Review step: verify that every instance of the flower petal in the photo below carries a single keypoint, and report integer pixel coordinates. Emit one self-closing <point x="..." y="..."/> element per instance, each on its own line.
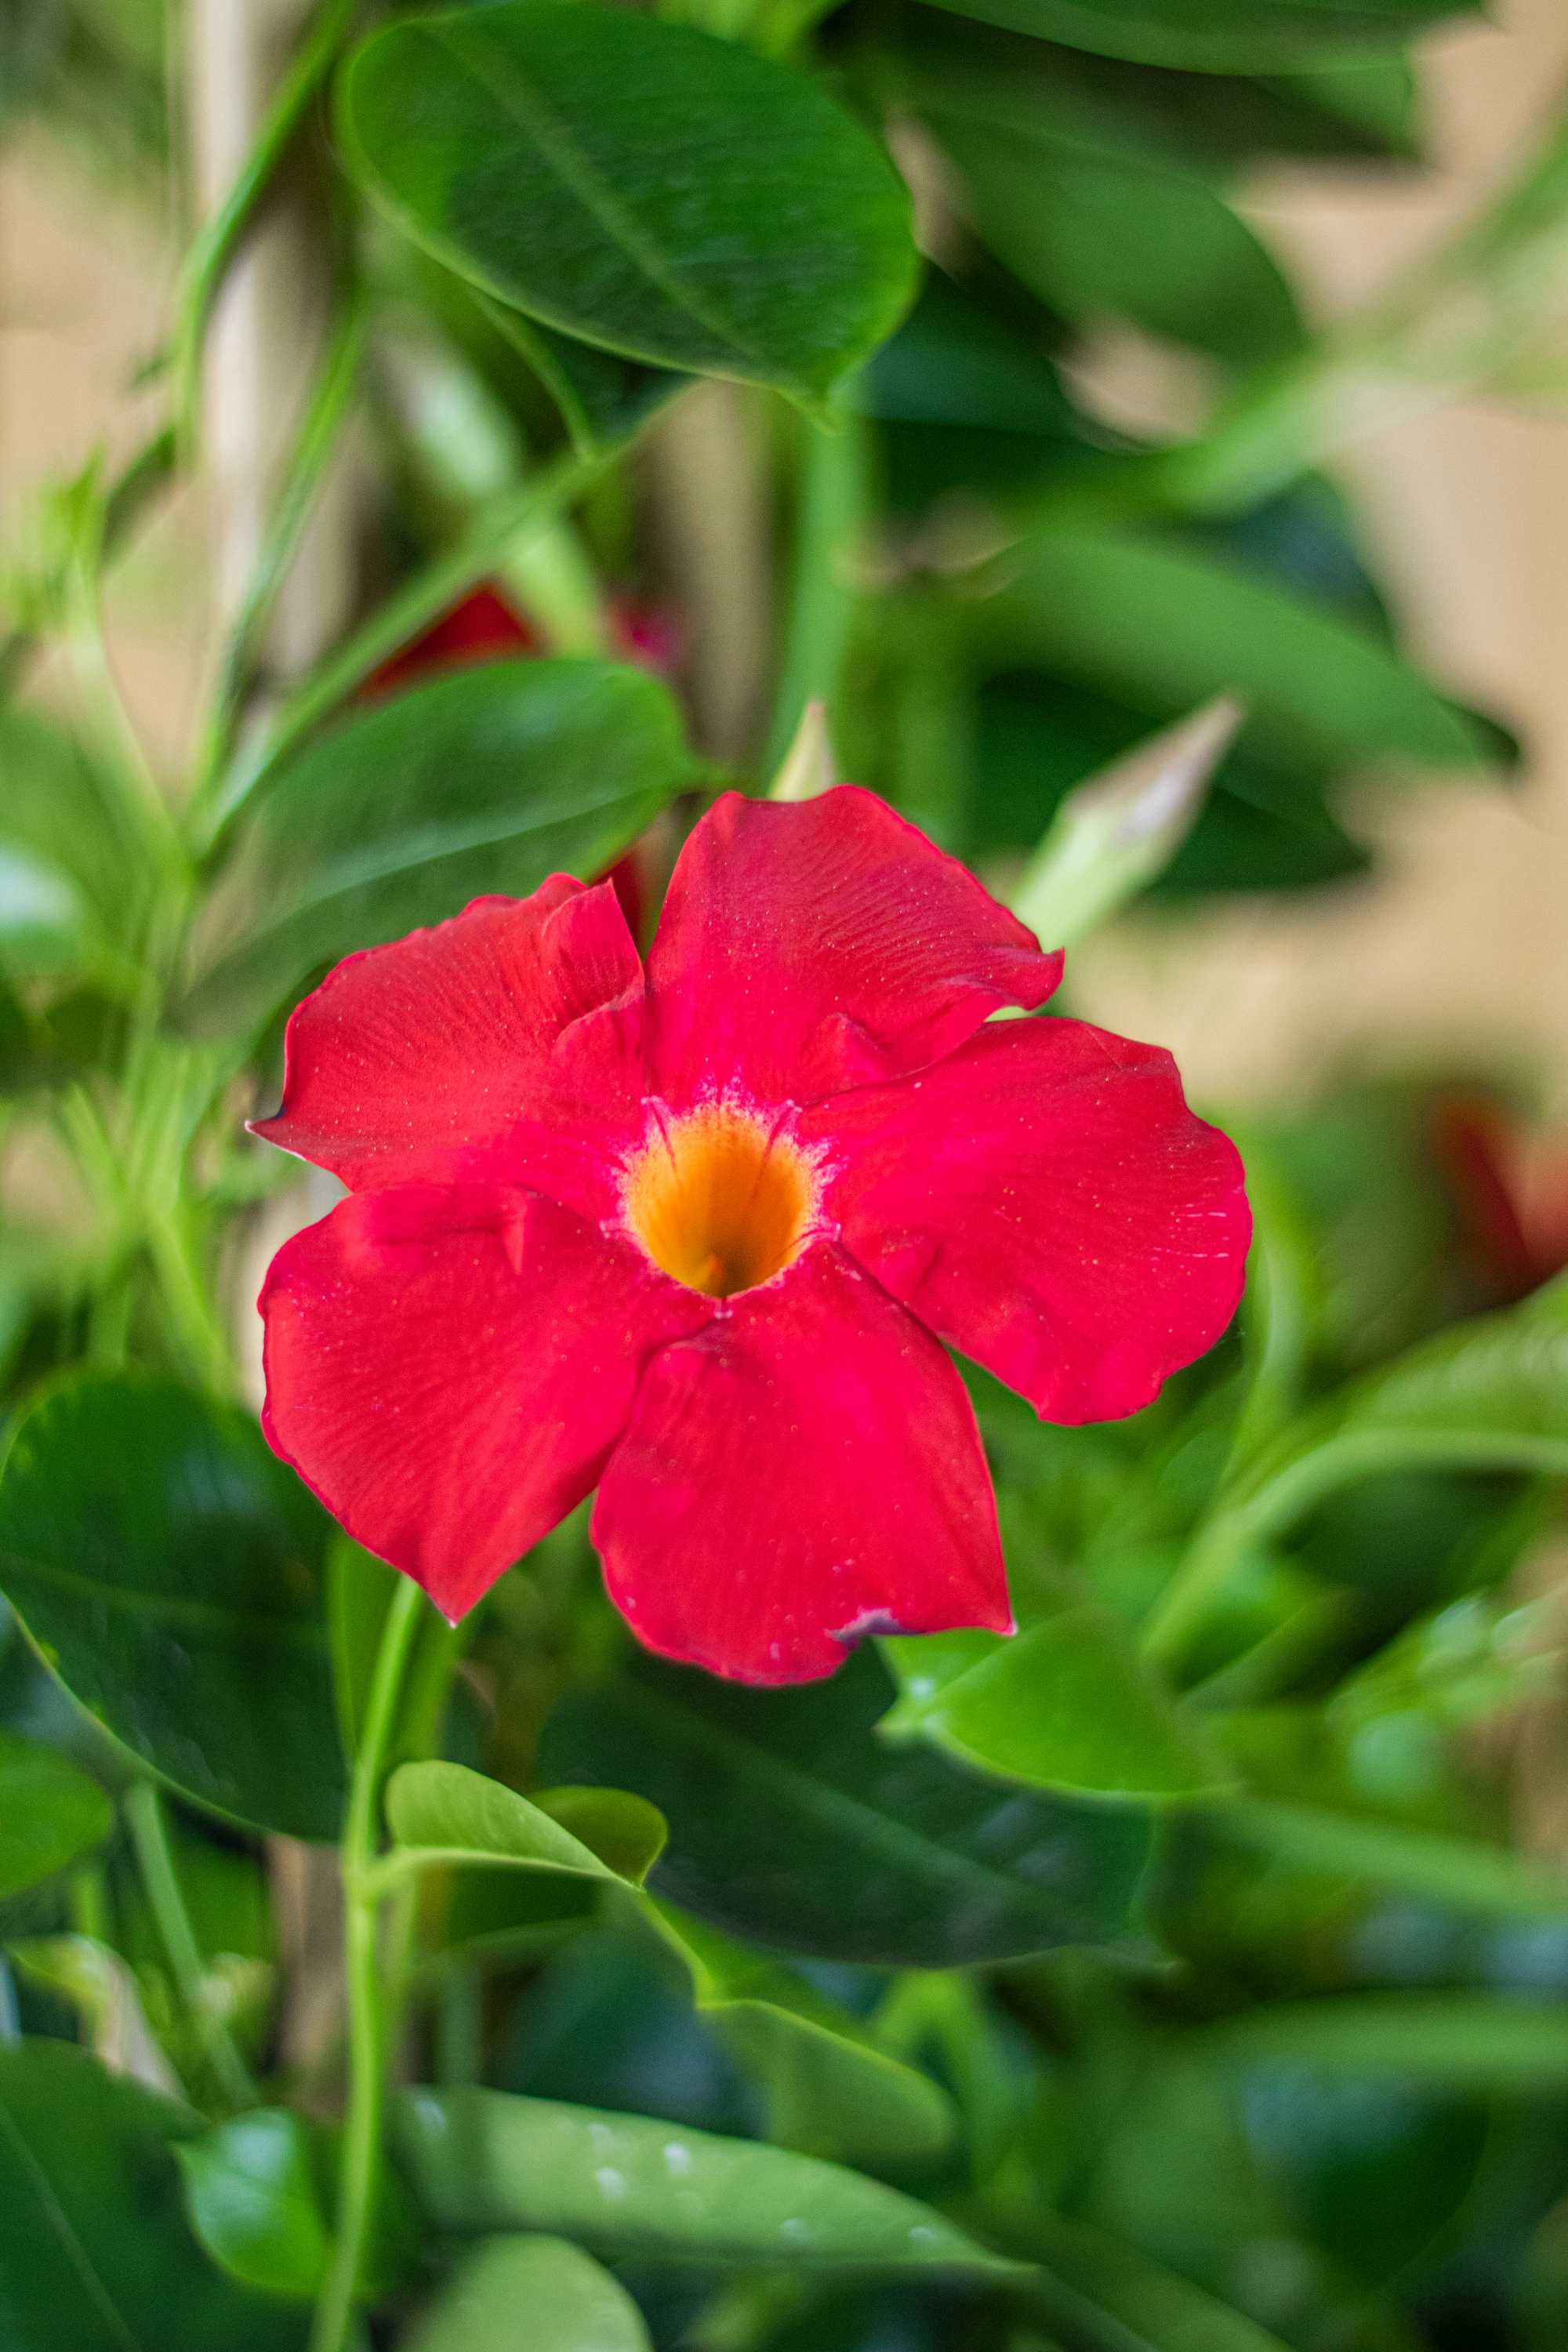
<point x="506" y="1043"/>
<point x="449" y="1366"/>
<point x="810" y="946"/>
<point x="1047" y="1202"/>
<point x="805" y="1470"/>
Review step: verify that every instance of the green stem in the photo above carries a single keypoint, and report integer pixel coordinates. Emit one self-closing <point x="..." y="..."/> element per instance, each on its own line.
<point x="210" y="256"/>
<point x="360" y="2180"/>
<point x="329" y="404"/>
<point x="1278" y="1499"/>
<point x="412" y="608"/>
<point x="829" y="525"/>
<point x="149" y="1829"/>
<point x="187" y="1302"/>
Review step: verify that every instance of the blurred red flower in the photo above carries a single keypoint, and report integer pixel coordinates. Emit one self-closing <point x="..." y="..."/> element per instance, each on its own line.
<point x="1509" y="1185"/>
<point x="692" y="1234"/>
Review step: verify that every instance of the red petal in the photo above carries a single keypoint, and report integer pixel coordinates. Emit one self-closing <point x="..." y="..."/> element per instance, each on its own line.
<point x="804" y="1471"/>
<point x="479" y="627"/>
<point x="447" y="1367"/>
<point x="1047" y="1202"/>
<point x="806" y="947"/>
<point x="506" y="1043"/>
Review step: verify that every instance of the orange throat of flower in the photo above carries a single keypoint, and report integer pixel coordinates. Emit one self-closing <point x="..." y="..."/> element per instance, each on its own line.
<point x="720" y="1199"/>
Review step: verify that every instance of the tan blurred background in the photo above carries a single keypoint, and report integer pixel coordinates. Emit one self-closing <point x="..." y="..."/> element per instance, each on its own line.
<point x="1460" y="949"/>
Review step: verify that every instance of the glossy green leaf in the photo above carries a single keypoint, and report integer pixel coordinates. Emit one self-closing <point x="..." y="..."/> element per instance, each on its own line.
<point x="830" y="2089"/>
<point x="254" y="2201"/>
<point x="602" y="398"/>
<point x="793" y="1822"/>
<point x="639" y="184"/>
<point x="530" y="2294"/>
<point x="1219" y="36"/>
<point x="1461" y="2041"/>
<point x="1096" y="227"/>
<point x="1064" y="1704"/>
<point x="168" y="1567"/>
<point x="51" y="1814"/>
<point x="482" y="782"/>
<point x="1165" y="625"/>
<point x="94" y="2254"/>
<point x="487" y="2160"/>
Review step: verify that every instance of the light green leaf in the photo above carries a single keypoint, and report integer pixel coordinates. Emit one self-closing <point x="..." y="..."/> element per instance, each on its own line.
<point x="253" y="2200"/>
<point x="1472" y="2042"/>
<point x="445" y="1814"/>
<point x="637" y="183"/>
<point x="831" y="2090"/>
<point x="1064" y="1704"/>
<point x="1457" y="1872"/>
<point x="1219" y="36"/>
<point x="483" y="2162"/>
<point x="52" y="1814"/>
<point x="531" y="2294"/>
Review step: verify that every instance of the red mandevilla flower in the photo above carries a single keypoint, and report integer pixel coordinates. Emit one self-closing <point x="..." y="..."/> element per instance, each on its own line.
<point x="692" y="1234"/>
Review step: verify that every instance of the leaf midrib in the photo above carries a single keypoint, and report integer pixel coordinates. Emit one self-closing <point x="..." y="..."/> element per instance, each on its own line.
<point x="75" y="2253"/>
<point x="533" y="115"/>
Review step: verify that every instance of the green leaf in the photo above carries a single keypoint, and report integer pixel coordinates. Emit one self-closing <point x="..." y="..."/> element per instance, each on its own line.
<point x="1151" y="2309"/>
<point x="1462" y="2041"/>
<point x="483" y="2162"/>
<point x="482" y="782"/>
<point x="1459" y="1873"/>
<point x="602" y="398"/>
<point x="639" y="184"/>
<point x="94" y="2252"/>
<point x="1498" y="1380"/>
<point x="791" y="1821"/>
<point x="831" y="2090"/>
<point x="51" y="1814"/>
<point x="1096" y="225"/>
<point x="530" y="2294"/>
<point x="168" y="1567"/>
<point x="1161" y="624"/>
<point x="626" y="1832"/>
<point x="45" y="927"/>
<point x="59" y="818"/>
<point x="253" y="2200"/>
<point x="1219" y="36"/>
<point x="1064" y="1704"/>
<point x="446" y="1814"/>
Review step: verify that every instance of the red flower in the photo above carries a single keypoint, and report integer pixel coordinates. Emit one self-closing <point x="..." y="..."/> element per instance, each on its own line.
<point x="692" y="1235"/>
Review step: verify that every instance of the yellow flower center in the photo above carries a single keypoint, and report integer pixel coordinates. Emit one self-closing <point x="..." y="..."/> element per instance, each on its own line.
<point x="720" y="1199"/>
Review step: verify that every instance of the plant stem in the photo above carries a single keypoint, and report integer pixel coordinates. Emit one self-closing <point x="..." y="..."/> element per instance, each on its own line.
<point x="412" y="606"/>
<point x="221" y="237"/>
<point x="360" y="2180"/>
<point x="149" y="1828"/>
<point x="829" y="524"/>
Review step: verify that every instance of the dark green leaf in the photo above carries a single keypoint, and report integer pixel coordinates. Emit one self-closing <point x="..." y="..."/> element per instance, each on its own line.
<point x="1219" y="36"/>
<point x="602" y="398"/>
<point x="483" y="781"/>
<point x="1064" y="1704"/>
<point x="1157" y="623"/>
<point x="95" y="2256"/>
<point x="531" y="2294"/>
<point x="51" y="1814"/>
<point x="168" y="1567"/>
<point x="483" y="2162"/>
<point x="1093" y="2277"/>
<point x="1459" y="1873"/>
<point x="1098" y="227"/>
<point x="791" y="1821"/>
<point x="639" y="184"/>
